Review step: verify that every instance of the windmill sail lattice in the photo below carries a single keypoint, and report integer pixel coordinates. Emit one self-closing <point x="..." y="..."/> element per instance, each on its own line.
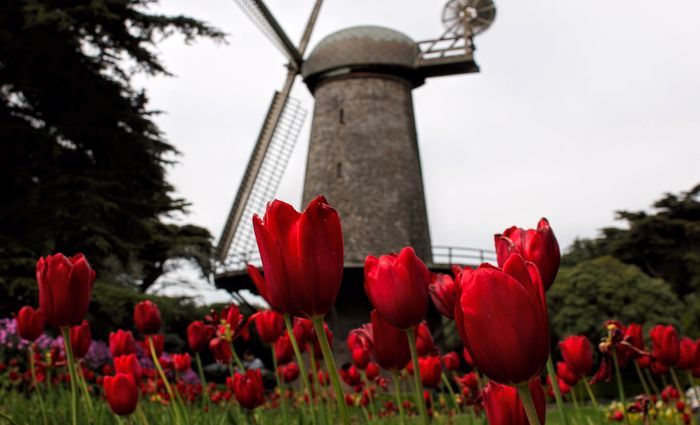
<point x="263" y="181"/>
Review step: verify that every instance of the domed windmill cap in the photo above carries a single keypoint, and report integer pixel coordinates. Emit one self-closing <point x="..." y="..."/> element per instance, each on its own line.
<point x="369" y="48"/>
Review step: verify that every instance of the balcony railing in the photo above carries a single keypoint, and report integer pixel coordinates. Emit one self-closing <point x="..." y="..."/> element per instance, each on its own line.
<point x="442" y="254"/>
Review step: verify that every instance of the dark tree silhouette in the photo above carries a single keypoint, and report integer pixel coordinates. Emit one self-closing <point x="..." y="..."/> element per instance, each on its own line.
<point x="82" y="162"/>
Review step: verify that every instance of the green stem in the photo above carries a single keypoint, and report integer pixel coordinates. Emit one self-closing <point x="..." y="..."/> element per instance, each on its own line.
<point x="314" y="382"/>
<point x="8" y="418"/>
<point x="236" y="359"/>
<point x="447" y="384"/>
<point x="590" y="393"/>
<point x="528" y="405"/>
<point x="420" y="401"/>
<point x="370" y="397"/>
<point x="397" y="394"/>
<point x="554" y="381"/>
<point x="692" y="385"/>
<point x="168" y="388"/>
<point x="141" y="415"/>
<point x="641" y="379"/>
<point x="574" y="400"/>
<point x="32" y="368"/>
<point x="620" y="386"/>
<point x="71" y="370"/>
<point x="650" y="380"/>
<point x="202" y="380"/>
<point x="302" y="368"/>
<point x="283" y="400"/>
<point x="677" y="383"/>
<point x="330" y="365"/>
<point x="86" y="393"/>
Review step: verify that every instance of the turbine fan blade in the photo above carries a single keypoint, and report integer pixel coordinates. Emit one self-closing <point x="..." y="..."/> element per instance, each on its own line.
<point x="263" y="19"/>
<point x="261" y="179"/>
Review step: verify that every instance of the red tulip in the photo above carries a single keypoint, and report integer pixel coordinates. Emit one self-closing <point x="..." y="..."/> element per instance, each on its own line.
<point x="270" y="325"/>
<point x="665" y="343"/>
<point x="503" y="405"/>
<point x="372" y="371"/>
<point x="80" y="339"/>
<point x="303" y="331"/>
<point x="360" y="337"/>
<point x="688" y="354"/>
<point x="397" y="286"/>
<point x="302" y="255"/>
<point x="442" y="292"/>
<point x="578" y="354"/>
<point x="634" y="336"/>
<point x="644" y="361"/>
<point x="289" y="372"/>
<point x="351" y="375"/>
<point x="468" y="381"/>
<point x="467" y="357"/>
<point x="430" y="371"/>
<point x="567" y="375"/>
<point x="221" y="350"/>
<point x="538" y="246"/>
<point x="121" y="343"/>
<point x="65" y="285"/>
<point x="147" y="317"/>
<point x="451" y="361"/>
<point x="360" y="356"/>
<point x="248" y="388"/>
<point x="658" y="368"/>
<point x="182" y="362"/>
<point x="284" y="351"/>
<point x="128" y="363"/>
<point x="199" y="335"/>
<point x="30" y="323"/>
<point x="424" y="340"/>
<point x="502" y="320"/>
<point x="390" y="344"/>
<point x="121" y="392"/>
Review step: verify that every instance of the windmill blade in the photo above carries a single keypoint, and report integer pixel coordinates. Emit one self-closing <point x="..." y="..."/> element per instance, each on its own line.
<point x="261" y="16"/>
<point x="279" y="134"/>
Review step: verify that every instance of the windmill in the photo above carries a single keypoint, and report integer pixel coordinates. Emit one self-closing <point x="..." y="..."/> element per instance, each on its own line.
<point x="363" y="151"/>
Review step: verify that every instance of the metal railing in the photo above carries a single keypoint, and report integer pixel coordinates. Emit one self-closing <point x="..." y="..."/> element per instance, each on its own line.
<point x="442" y="254"/>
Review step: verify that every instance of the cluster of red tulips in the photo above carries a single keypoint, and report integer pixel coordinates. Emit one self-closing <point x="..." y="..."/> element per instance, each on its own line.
<point x="500" y="313"/>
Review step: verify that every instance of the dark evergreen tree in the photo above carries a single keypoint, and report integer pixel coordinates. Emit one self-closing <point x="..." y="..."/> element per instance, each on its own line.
<point x="82" y="162"/>
<point x="664" y="243"/>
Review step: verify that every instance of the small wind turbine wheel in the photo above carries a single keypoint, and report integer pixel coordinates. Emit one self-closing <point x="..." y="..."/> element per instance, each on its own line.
<point x="462" y="16"/>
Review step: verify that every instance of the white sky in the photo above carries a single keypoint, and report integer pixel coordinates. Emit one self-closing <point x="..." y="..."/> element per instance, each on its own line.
<point x="580" y="109"/>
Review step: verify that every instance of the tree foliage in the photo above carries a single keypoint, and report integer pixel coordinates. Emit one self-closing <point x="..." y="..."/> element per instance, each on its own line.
<point x="664" y="243"/>
<point x="83" y="163"/>
<point x="586" y="295"/>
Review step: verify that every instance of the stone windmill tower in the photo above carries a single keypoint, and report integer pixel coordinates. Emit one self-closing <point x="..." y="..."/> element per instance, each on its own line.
<point x="363" y="153"/>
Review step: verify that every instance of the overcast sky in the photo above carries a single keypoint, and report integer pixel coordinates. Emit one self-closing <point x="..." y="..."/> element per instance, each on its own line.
<point x="580" y="109"/>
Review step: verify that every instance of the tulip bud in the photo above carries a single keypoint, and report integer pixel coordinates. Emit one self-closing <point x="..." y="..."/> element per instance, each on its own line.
<point x="451" y="361"/>
<point x="430" y="371"/>
<point x="65" y="285"/>
<point x="269" y="324"/>
<point x="503" y="405"/>
<point x="360" y="356"/>
<point x="182" y="362"/>
<point x="289" y="372"/>
<point x="221" y="350"/>
<point x="538" y="246"/>
<point x="688" y="354"/>
<point x="199" y="335"/>
<point x="80" y="339"/>
<point x="121" y="392"/>
<point x="248" y="388"/>
<point x="284" y="351"/>
<point x="30" y="323"/>
<point x="128" y="363"/>
<point x="390" y="344"/>
<point x="147" y="317"/>
<point x="397" y="287"/>
<point x="372" y="371"/>
<point x="424" y="340"/>
<point x="121" y="343"/>
<point x="665" y="344"/>
<point x="442" y="292"/>
<point x="502" y="319"/>
<point x="578" y="354"/>
<point x="302" y="256"/>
